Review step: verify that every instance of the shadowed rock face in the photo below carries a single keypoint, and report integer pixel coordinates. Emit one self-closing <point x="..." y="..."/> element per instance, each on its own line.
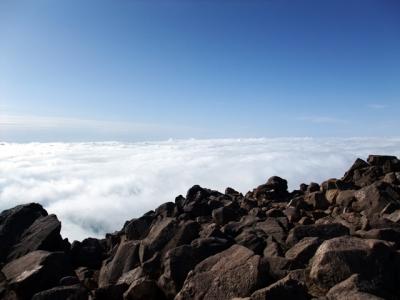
<point x="14" y="222"/>
<point x="339" y="239"/>
<point x="233" y="272"/>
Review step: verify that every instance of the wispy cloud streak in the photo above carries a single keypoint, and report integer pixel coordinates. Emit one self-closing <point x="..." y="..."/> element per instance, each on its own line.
<point x="323" y="120"/>
<point x="377" y="106"/>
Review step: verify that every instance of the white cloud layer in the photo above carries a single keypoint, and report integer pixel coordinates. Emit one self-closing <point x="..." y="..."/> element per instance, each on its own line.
<point x="94" y="187"/>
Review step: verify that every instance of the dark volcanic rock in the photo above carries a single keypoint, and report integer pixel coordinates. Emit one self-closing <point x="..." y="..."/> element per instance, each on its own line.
<point x="75" y="292"/>
<point x="14" y="222"/>
<point x="224" y="215"/>
<point x="317" y="200"/>
<point x="179" y="261"/>
<point x="284" y="289"/>
<point x="272" y="227"/>
<point x="36" y="271"/>
<point x="125" y="259"/>
<point x="42" y="234"/>
<point x="375" y="197"/>
<point x="323" y="231"/>
<point x="112" y="291"/>
<point x="254" y="239"/>
<point x="160" y="234"/>
<point x="196" y="203"/>
<point x="88" y="253"/>
<point x="277" y="184"/>
<point x="301" y="252"/>
<point x="138" y="229"/>
<point x="357" y="165"/>
<point x="177" y="264"/>
<point x="339" y="258"/>
<point x="236" y="272"/>
<point x="355" y="287"/>
<point x="144" y="289"/>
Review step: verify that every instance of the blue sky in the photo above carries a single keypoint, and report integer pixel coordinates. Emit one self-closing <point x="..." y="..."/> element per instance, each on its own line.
<point x="142" y="70"/>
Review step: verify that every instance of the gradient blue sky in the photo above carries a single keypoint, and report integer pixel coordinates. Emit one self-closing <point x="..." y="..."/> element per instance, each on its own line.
<point x="142" y="70"/>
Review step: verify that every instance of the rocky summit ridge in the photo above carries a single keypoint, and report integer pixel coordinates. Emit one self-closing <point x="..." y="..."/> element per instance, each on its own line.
<point x="336" y="240"/>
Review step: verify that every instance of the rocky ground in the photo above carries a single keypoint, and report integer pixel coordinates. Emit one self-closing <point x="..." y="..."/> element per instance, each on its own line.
<point x="336" y="240"/>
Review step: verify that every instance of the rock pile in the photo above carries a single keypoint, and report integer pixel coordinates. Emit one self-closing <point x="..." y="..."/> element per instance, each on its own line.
<point x="336" y="240"/>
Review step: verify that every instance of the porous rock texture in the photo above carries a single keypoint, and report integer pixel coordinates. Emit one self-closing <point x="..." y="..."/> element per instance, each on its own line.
<point x="339" y="239"/>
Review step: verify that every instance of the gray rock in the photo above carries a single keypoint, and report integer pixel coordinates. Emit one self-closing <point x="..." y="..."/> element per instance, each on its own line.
<point x="75" y="292"/>
<point x="236" y="272"/>
<point x="14" y="222"/>
<point x="125" y="259"/>
<point x="285" y="289"/>
<point x="303" y="251"/>
<point x="37" y="271"/>
<point x="339" y="258"/>
<point x="42" y="234"/>
<point x="323" y="231"/>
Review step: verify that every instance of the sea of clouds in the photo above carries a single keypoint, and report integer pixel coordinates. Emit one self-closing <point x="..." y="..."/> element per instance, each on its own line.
<point x="95" y="187"/>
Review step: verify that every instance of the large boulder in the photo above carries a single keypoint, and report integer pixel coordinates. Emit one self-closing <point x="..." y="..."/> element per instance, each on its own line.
<point x="160" y="234"/>
<point x="357" y="288"/>
<point x="317" y="200"/>
<point x="168" y="209"/>
<point x="272" y="227"/>
<point x="386" y="234"/>
<point x="285" y="289"/>
<point x="180" y="260"/>
<point x="303" y="251"/>
<point x="225" y="214"/>
<point x="388" y="163"/>
<point x="185" y="233"/>
<point x="112" y="291"/>
<point x="125" y="259"/>
<point x="42" y="234"/>
<point x="375" y="197"/>
<point x="236" y="272"/>
<point x="276" y="184"/>
<point x="14" y="222"/>
<point x="357" y="165"/>
<point x="37" y="271"/>
<point x="196" y="202"/>
<point x="75" y="292"/>
<point x="274" y="189"/>
<point x="88" y="253"/>
<point x="138" y="229"/>
<point x="322" y="231"/>
<point x="345" y="198"/>
<point x="339" y="258"/>
<point x="177" y="264"/>
<point x="254" y="239"/>
<point x="144" y="289"/>
<point x="168" y="234"/>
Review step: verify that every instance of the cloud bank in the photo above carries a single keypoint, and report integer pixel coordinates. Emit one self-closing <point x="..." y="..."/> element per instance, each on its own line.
<point x="94" y="187"/>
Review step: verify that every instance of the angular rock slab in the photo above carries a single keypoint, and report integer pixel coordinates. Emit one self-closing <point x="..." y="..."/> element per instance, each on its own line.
<point x="13" y="223"/>
<point x="323" y="231"/>
<point x="36" y="271"/>
<point x="235" y="272"/>
<point x="75" y="292"/>
<point x="125" y="259"/>
<point x="339" y="258"/>
<point x="43" y="234"/>
<point x="284" y="289"/>
<point x="353" y="288"/>
<point x="301" y="252"/>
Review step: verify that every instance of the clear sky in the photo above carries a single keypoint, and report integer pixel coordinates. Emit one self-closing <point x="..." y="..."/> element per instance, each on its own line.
<point x="142" y="70"/>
